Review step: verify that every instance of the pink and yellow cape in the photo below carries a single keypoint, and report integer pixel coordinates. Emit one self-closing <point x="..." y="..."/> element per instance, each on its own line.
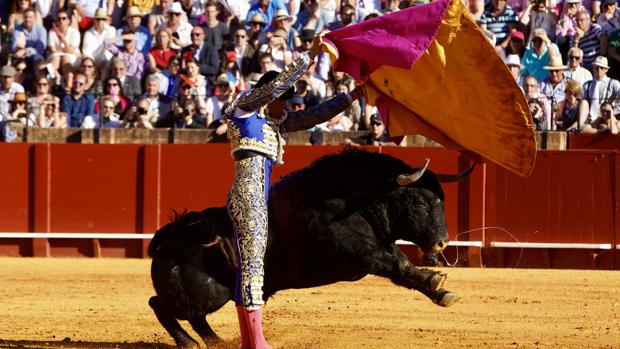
<point x="431" y="71"/>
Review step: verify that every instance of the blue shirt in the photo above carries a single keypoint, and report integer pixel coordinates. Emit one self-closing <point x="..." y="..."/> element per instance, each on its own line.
<point x="143" y="39"/>
<point x="36" y="39"/>
<point x="77" y="109"/>
<point x="274" y="5"/>
<point x="533" y="64"/>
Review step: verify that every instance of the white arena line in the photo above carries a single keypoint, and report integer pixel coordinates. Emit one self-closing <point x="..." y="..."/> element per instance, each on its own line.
<point x="124" y="236"/>
<point x="451" y="243"/>
<point x="550" y="245"/>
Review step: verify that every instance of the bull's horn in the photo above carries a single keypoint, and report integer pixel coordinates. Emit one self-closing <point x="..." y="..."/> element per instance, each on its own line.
<point x="405" y="179"/>
<point x="447" y="178"/>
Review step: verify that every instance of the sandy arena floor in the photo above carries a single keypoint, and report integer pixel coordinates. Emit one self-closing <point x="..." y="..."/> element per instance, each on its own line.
<point x="102" y="303"/>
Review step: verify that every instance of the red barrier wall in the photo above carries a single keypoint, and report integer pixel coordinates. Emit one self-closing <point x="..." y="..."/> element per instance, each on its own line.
<point x="572" y="196"/>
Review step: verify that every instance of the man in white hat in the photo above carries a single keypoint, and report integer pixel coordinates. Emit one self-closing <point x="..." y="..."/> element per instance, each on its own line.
<point x="597" y="91"/>
<point x="553" y="85"/>
<point x="181" y="31"/>
<point x="133" y="18"/>
<point x="94" y="38"/>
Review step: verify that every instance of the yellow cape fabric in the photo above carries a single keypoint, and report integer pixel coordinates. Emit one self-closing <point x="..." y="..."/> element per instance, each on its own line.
<point x="460" y="94"/>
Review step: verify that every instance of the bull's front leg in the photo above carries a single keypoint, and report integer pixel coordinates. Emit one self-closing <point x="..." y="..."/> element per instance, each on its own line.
<point x="395" y="266"/>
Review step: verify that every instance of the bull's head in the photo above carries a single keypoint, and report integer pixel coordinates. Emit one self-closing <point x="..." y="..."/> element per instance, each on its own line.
<point x="421" y="201"/>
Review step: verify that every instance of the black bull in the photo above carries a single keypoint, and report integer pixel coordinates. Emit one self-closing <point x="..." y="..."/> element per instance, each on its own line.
<point x="336" y="220"/>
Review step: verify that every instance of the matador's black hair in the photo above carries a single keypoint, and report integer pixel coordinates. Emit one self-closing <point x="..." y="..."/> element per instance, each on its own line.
<point x="270" y="76"/>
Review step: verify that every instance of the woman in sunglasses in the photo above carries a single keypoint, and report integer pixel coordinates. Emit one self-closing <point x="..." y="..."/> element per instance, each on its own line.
<point x="114" y="91"/>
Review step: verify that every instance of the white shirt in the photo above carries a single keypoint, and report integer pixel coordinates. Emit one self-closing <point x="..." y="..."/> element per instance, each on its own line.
<point x="185" y="34"/>
<point x="92" y="45"/>
<point x="91" y="121"/>
<point x="72" y="35"/>
<point x="214" y="107"/>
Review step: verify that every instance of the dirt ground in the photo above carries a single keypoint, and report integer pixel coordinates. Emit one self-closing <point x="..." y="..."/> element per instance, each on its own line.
<point x="102" y="303"/>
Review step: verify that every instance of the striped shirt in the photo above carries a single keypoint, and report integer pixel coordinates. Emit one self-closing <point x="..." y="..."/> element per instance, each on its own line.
<point x="500" y="25"/>
<point x="589" y="44"/>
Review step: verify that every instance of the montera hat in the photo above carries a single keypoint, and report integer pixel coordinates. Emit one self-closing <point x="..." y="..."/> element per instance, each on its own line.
<point x="555" y="63"/>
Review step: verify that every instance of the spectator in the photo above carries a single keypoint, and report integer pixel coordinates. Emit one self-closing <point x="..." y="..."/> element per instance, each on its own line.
<point x="610" y="41"/>
<point x="514" y="65"/>
<point x="143" y="38"/>
<point x="17" y="15"/>
<point x="198" y="81"/>
<point x="159" y="16"/>
<point x="597" y="91"/>
<point x="79" y="103"/>
<point x="137" y="117"/>
<point x="195" y="11"/>
<point x="233" y="74"/>
<point x="347" y="16"/>
<point x="567" y="23"/>
<point x="45" y="9"/>
<point x="181" y="31"/>
<point x="244" y="52"/>
<point x="330" y="7"/>
<point x="575" y="71"/>
<point x="278" y="49"/>
<point x="158" y="104"/>
<point x="49" y="116"/>
<point x="568" y="110"/>
<point x="536" y="57"/>
<point x="500" y="20"/>
<point x="186" y="116"/>
<point x="64" y="47"/>
<point x="215" y="31"/>
<point x="315" y="82"/>
<point x="310" y="17"/>
<point x="19" y="110"/>
<point x="296" y="103"/>
<point x="539" y="105"/>
<point x="283" y="20"/>
<point x="538" y="15"/>
<point x="96" y="36"/>
<point x="215" y="104"/>
<point x="553" y="86"/>
<point x="113" y="91"/>
<point x="265" y="60"/>
<point x="160" y="55"/>
<point x="134" y="59"/>
<point x="94" y="84"/>
<point x="377" y="136"/>
<point x="266" y="8"/>
<point x="606" y="122"/>
<point x="257" y="25"/>
<point x="514" y="46"/>
<point x="84" y="11"/>
<point x="43" y="88"/>
<point x="609" y="12"/>
<point x="587" y="38"/>
<point x="169" y="79"/>
<point x="366" y="8"/>
<point x="110" y="118"/>
<point x="8" y="89"/>
<point x="305" y="91"/>
<point x="354" y="112"/>
<point x="204" y="55"/>
<point x="21" y="71"/>
<point x="29" y="39"/>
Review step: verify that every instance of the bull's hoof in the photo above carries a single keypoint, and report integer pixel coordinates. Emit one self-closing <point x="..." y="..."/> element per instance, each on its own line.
<point x="188" y="344"/>
<point x="437" y="281"/>
<point x="449" y="299"/>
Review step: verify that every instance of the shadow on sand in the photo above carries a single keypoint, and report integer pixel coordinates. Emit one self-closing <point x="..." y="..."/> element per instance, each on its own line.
<point x="69" y="344"/>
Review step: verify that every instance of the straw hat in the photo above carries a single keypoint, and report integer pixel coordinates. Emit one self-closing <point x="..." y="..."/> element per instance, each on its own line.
<point x="19" y="97"/>
<point x="601" y="61"/>
<point x="101" y="13"/>
<point x="555" y="63"/>
<point x="281" y="14"/>
<point x="280" y="32"/>
<point x="257" y="18"/>
<point x="133" y="11"/>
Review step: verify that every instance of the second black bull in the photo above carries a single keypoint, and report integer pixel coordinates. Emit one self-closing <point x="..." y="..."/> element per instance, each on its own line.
<point x="335" y="220"/>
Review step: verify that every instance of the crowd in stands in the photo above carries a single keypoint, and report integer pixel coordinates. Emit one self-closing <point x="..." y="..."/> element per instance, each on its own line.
<point x="164" y="63"/>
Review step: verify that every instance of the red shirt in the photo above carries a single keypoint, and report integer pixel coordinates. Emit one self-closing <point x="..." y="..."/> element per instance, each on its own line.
<point x="162" y="57"/>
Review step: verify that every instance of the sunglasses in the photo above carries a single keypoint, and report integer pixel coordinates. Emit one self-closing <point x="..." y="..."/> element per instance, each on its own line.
<point x="175" y="14"/>
<point x="576" y="58"/>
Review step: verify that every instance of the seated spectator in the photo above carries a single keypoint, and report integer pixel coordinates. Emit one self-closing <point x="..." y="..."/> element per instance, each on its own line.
<point x="537" y="57"/>
<point x="244" y="52"/>
<point x="265" y="61"/>
<point x="181" y="31"/>
<point x="257" y="27"/>
<point x="195" y="79"/>
<point x="500" y="20"/>
<point x="143" y="38"/>
<point x="514" y="46"/>
<point x="63" y="45"/>
<point x="597" y="91"/>
<point x="130" y="85"/>
<point x="278" y="49"/>
<point x="606" y="122"/>
<point x="159" y="16"/>
<point x="514" y="65"/>
<point x="135" y="60"/>
<point x="305" y="91"/>
<point x="94" y="85"/>
<point x="354" y="112"/>
<point x="79" y="103"/>
<point x="110" y="118"/>
<point x="315" y="83"/>
<point x="347" y="16"/>
<point x="296" y="103"/>
<point x="21" y="71"/>
<point x="84" y="12"/>
<point x="159" y="104"/>
<point x="587" y="38"/>
<point x="169" y="79"/>
<point x="575" y="71"/>
<point x="609" y="12"/>
<point x="568" y="110"/>
<point x="215" y="31"/>
<point x="49" y="115"/>
<point x="567" y="22"/>
<point x="204" y="55"/>
<point x="29" y="39"/>
<point x="159" y="56"/>
<point x="283" y="20"/>
<point x="233" y="74"/>
<point x="553" y="86"/>
<point x="8" y="89"/>
<point x="19" y="110"/>
<point x="539" y="105"/>
<point x="186" y="116"/>
<point x="113" y="90"/>
<point x="95" y="38"/>
<point x="137" y="117"/>
<point x="538" y="15"/>
<point x="214" y="104"/>
<point x="610" y="42"/>
<point x="17" y="16"/>
<point x="310" y="17"/>
<point x="267" y="9"/>
<point x="43" y="88"/>
<point x="377" y="136"/>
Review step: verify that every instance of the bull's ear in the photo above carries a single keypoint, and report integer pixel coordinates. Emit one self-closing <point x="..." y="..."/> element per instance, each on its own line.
<point x="406" y="179"/>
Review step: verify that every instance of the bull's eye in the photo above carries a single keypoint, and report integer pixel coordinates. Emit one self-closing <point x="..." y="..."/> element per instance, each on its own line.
<point x="420" y="204"/>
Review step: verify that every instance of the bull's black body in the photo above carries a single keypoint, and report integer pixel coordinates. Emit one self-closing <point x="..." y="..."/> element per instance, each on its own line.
<point x="336" y="220"/>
